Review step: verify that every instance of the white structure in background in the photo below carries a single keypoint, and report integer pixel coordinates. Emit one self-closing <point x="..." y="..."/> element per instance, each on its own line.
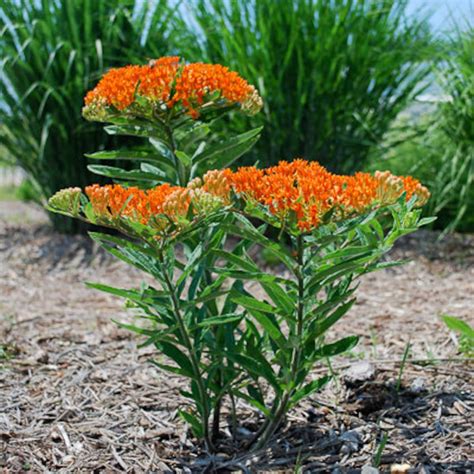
<point x="11" y="175"/>
<point x="434" y="98"/>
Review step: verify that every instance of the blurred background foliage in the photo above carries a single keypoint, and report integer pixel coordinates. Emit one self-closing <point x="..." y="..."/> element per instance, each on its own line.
<point x="333" y="75"/>
<point x="339" y="78"/>
<point x="437" y="146"/>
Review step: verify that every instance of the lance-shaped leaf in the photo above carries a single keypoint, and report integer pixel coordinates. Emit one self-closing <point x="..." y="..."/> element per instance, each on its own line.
<point x="336" y="348"/>
<point x="192" y="421"/>
<point x="132" y="175"/>
<point x="258" y="368"/>
<point x="145" y="131"/>
<point x="308" y="389"/>
<point x="271" y="327"/>
<point x="222" y="319"/>
<point x="331" y="273"/>
<point x="251" y="303"/>
<point x="322" y="325"/>
<point x="224" y="154"/>
<point x="178" y="356"/>
<point x="130" y="252"/>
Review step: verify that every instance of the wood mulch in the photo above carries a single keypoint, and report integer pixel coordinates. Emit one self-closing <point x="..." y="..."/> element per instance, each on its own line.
<point x="76" y="395"/>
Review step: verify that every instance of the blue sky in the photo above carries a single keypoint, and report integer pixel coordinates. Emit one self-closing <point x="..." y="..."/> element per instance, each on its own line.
<point x="444" y="10"/>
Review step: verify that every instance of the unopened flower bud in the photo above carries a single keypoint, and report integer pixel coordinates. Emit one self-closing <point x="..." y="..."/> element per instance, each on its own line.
<point x="67" y="200"/>
<point x="253" y="103"/>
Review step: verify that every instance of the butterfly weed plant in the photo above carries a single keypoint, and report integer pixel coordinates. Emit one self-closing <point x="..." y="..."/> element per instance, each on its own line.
<point x="193" y="224"/>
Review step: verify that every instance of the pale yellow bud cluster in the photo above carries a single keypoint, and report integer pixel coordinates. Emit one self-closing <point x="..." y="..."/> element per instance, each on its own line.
<point x="390" y="187"/>
<point x="96" y="111"/>
<point x="177" y="203"/>
<point x="216" y="183"/>
<point x="195" y="183"/>
<point x="67" y="200"/>
<point x="205" y="202"/>
<point x="422" y="195"/>
<point x="253" y="103"/>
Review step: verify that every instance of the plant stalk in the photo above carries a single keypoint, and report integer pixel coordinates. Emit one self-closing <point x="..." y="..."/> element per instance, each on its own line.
<point x="192" y="356"/>
<point x="276" y="421"/>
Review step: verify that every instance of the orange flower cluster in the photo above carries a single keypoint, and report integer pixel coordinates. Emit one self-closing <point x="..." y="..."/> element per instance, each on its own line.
<point x="308" y="190"/>
<point x="161" y="205"/>
<point x="304" y="190"/>
<point x="115" y="201"/>
<point x="118" y="86"/>
<point x="167" y="83"/>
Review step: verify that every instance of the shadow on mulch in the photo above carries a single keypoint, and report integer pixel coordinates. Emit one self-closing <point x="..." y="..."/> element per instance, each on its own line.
<point x="341" y="438"/>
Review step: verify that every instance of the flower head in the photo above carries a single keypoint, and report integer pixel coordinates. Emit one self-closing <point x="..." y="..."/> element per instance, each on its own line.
<point x="67" y="200"/>
<point x="308" y="191"/>
<point x="165" y="84"/>
<point x="300" y="193"/>
<point x="159" y="207"/>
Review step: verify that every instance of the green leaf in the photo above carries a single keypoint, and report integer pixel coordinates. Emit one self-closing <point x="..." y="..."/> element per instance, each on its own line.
<point x="242" y="262"/>
<point x="224" y="154"/>
<point x="335" y="271"/>
<point x="325" y="324"/>
<point x="130" y="252"/>
<point x="308" y="389"/>
<point x="257" y="403"/>
<point x="168" y="368"/>
<point x="154" y="170"/>
<point x="251" y="303"/>
<point x="257" y="368"/>
<point x="181" y="359"/>
<point x="100" y="238"/>
<point x="123" y="154"/>
<point x="119" y="173"/>
<point x="183" y="157"/>
<point x="426" y="221"/>
<point x="338" y="347"/>
<point x="146" y="131"/>
<point x="247" y="231"/>
<point x="89" y="212"/>
<point x="271" y="327"/>
<point x="136" y="329"/>
<point x="222" y="319"/>
<point x="352" y="251"/>
<point x="129" y="294"/>
<point x="280" y="297"/>
<point x="192" y="421"/>
<point x="458" y="325"/>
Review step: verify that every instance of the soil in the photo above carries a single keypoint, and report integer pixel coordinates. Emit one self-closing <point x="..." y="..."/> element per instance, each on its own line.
<point x="77" y="395"/>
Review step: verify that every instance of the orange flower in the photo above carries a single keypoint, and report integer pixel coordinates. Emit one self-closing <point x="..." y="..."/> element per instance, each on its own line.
<point x="115" y="201"/>
<point x="164" y="84"/>
<point x="308" y="190"/>
<point x="160" y="206"/>
<point x="299" y="190"/>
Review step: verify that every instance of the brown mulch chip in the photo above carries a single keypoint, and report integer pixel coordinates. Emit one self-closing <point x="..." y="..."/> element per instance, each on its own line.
<point x="76" y="395"/>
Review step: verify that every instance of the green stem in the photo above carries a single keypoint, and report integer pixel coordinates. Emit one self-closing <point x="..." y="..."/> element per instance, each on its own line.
<point x="194" y="361"/>
<point x="182" y="175"/>
<point x="181" y="169"/>
<point x="213" y="310"/>
<point x="216" y="420"/>
<point x="233" y="416"/>
<point x="273" y="424"/>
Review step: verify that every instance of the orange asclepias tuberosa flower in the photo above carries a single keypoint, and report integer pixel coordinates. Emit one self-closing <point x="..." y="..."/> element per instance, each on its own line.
<point x="168" y="84"/>
<point x="304" y="191"/>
